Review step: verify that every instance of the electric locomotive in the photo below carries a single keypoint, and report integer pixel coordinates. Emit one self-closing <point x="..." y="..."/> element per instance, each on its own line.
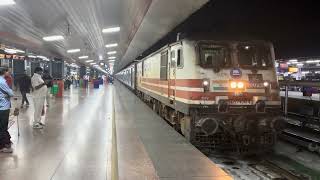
<point x="220" y="94"/>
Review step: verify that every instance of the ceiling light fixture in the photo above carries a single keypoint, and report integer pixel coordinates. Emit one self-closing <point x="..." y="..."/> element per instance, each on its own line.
<point x="111" y="52"/>
<point x="293" y="60"/>
<point x="111" y="30"/>
<point x="111" y="45"/>
<point x="93" y="63"/>
<point x="112" y="57"/>
<point x="7" y="2"/>
<point x="31" y="56"/>
<point x="73" y="50"/>
<point x="13" y="51"/>
<point x="53" y="38"/>
<point x="89" y="61"/>
<point x="83" y="57"/>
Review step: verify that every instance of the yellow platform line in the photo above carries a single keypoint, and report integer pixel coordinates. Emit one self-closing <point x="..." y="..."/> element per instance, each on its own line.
<point x="114" y="150"/>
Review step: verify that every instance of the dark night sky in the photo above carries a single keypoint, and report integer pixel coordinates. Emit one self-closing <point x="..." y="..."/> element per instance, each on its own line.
<point x="293" y="26"/>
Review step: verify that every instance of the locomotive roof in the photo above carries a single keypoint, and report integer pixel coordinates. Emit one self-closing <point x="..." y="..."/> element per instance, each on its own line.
<point x="221" y="37"/>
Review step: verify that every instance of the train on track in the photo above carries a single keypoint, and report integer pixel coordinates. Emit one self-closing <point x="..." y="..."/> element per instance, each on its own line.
<point x="220" y="94"/>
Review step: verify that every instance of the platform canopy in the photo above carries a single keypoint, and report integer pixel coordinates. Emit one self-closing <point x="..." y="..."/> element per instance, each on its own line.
<point x="25" y="24"/>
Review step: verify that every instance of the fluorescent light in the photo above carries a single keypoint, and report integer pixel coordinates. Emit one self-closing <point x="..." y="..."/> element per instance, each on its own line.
<point x="43" y="58"/>
<point x="89" y="61"/>
<point x="111" y="45"/>
<point x="112" y="57"/>
<point x="111" y="30"/>
<point x="111" y="52"/>
<point x="293" y="60"/>
<point x="53" y="38"/>
<point x="7" y="2"/>
<point x="13" y="51"/>
<point x="10" y="51"/>
<point x="83" y="57"/>
<point x="93" y="63"/>
<point x="313" y="61"/>
<point x="73" y="50"/>
<point x="20" y="51"/>
<point x="32" y="56"/>
<point x="300" y="64"/>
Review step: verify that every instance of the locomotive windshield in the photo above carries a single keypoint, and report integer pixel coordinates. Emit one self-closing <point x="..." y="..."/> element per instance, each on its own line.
<point x="254" y="55"/>
<point x="214" y="56"/>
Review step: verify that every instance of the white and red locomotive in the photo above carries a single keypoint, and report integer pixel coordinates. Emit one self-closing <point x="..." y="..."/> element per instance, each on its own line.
<point x="219" y="94"/>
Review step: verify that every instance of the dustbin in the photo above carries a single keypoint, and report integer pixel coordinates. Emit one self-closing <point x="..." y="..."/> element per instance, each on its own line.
<point x="96" y="84"/>
<point x="54" y="89"/>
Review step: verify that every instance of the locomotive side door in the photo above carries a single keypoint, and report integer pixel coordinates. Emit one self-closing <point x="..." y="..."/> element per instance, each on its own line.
<point x="172" y="75"/>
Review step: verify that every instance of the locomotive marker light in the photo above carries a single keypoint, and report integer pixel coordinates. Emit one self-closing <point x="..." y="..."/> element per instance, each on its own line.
<point x="206" y="85"/>
<point x="267" y="88"/>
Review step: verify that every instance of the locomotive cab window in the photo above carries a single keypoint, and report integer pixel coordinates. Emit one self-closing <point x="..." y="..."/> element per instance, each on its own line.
<point x="214" y="56"/>
<point x="142" y="68"/>
<point x="254" y="55"/>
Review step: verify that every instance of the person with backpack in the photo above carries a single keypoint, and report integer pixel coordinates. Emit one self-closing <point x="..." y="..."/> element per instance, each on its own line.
<point x="5" y="105"/>
<point x="24" y="86"/>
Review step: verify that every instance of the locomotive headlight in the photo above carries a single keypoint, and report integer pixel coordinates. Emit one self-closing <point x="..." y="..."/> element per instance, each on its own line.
<point x="233" y="85"/>
<point x="266" y="84"/>
<point x="240" y="85"/>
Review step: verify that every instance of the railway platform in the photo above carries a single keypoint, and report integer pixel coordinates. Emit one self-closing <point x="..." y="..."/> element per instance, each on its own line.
<point x="99" y="134"/>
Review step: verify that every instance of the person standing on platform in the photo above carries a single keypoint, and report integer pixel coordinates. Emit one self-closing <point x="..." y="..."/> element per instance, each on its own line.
<point x="39" y="95"/>
<point x="5" y="105"/>
<point x="24" y="86"/>
<point x="86" y="80"/>
<point x="49" y="82"/>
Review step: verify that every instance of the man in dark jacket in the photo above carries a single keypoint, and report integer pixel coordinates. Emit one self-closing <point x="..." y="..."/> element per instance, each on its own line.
<point x="49" y="82"/>
<point x="25" y="86"/>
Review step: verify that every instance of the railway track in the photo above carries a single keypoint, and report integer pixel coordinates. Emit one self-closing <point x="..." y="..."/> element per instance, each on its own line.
<point x="256" y="169"/>
<point x="281" y="173"/>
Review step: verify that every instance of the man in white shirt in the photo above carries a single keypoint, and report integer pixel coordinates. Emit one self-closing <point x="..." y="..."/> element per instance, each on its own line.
<point x="86" y="80"/>
<point x="39" y="95"/>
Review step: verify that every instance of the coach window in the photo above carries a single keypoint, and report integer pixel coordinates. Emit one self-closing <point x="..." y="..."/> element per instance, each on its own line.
<point x="164" y="66"/>
<point x="179" y="58"/>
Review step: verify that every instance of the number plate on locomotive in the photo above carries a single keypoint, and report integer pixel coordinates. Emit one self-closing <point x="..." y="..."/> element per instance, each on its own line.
<point x="239" y="102"/>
